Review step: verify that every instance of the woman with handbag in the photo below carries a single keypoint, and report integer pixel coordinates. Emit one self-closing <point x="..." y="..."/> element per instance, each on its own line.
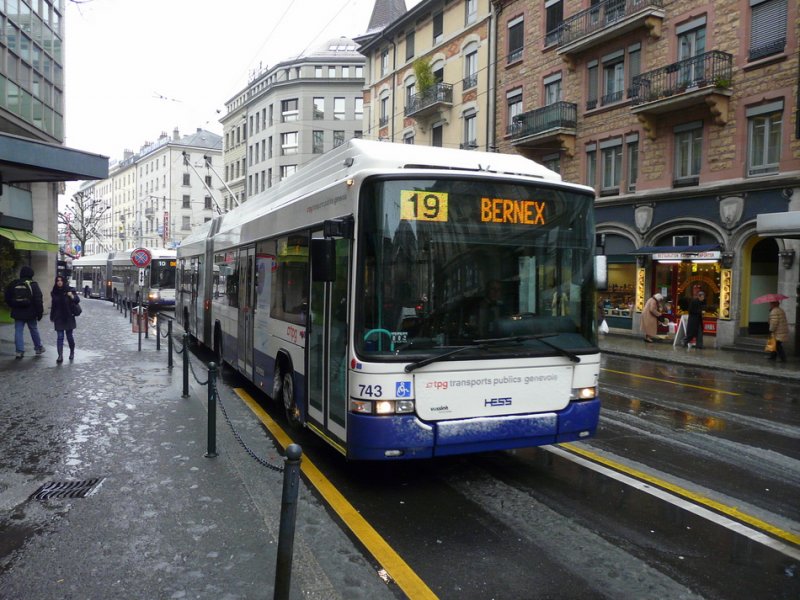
<point x="778" y="329"/>
<point x="64" y="308"/>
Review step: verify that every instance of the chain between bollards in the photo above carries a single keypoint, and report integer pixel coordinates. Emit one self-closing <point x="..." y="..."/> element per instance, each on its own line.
<point x="291" y="484"/>
<point x="185" y="365"/>
<point x="211" y="447"/>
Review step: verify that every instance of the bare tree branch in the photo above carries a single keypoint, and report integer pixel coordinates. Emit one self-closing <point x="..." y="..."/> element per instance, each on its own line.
<point x="82" y="217"/>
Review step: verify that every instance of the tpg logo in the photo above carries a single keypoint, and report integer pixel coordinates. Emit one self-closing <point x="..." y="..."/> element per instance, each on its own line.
<point x="497" y="402"/>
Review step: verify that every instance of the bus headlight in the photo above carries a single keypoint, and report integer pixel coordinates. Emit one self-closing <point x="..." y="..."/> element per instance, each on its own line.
<point x="381" y="407"/>
<point x="586" y="393"/>
<point x="154" y="295"/>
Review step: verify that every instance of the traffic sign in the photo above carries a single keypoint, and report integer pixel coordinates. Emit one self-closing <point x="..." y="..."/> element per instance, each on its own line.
<point x="141" y="276"/>
<point x="141" y="257"/>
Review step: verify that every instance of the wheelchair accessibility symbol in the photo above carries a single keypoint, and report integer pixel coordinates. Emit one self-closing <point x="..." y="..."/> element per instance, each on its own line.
<point x="402" y="389"/>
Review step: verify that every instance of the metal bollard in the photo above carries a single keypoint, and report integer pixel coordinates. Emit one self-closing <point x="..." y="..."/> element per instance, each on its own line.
<point x="158" y="331"/>
<point x="169" y="344"/>
<point x="138" y="318"/>
<point x="211" y="448"/>
<point x="125" y="309"/>
<point x="185" y="365"/>
<point x="291" y="484"/>
<point x="146" y="324"/>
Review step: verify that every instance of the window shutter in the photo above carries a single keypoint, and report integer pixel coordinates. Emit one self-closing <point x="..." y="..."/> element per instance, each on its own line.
<point x="768" y="28"/>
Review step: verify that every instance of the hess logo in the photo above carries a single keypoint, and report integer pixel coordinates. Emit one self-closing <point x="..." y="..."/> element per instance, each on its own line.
<point x="497" y="402"/>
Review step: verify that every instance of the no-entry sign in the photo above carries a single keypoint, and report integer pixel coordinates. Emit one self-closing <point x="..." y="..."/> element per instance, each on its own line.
<point x="141" y="257"/>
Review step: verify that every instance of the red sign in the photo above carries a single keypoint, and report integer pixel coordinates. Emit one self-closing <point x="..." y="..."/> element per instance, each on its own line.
<point x="141" y="257"/>
<point x="166" y="227"/>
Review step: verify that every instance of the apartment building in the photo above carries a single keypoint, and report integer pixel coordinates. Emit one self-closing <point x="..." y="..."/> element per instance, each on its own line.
<point x="291" y="113"/>
<point x="448" y="44"/>
<point x="684" y="119"/>
<point x="157" y="195"/>
<point x="34" y="163"/>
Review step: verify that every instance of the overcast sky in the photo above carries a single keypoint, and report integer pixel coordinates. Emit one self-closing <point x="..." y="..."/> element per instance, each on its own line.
<point x="135" y="68"/>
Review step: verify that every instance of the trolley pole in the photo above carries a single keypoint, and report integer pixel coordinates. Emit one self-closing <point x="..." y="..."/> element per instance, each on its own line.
<point x="291" y="483"/>
<point x="211" y="449"/>
<point x="185" y="365"/>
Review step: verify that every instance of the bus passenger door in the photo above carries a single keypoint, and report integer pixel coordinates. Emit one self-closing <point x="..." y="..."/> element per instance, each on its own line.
<point x="327" y="346"/>
<point x="247" y="260"/>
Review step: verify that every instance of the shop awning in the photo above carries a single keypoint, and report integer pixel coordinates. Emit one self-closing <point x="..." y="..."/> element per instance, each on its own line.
<point x="24" y="160"/>
<point x="780" y="225"/>
<point x="677" y="249"/>
<point x="24" y="240"/>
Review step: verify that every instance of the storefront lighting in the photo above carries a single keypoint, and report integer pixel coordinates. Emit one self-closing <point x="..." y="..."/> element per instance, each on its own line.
<point x="704" y="260"/>
<point x="787" y="256"/>
<point x="670" y="262"/>
<point x="727" y="260"/>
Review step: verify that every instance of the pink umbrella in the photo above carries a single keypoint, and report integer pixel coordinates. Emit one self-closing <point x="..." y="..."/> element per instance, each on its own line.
<point x="766" y="298"/>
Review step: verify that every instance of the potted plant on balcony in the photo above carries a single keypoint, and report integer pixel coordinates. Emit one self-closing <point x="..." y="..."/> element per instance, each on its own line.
<point x="424" y="74"/>
<point x="722" y="82"/>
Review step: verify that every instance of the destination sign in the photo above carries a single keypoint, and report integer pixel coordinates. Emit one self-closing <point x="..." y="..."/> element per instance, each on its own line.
<point x="423" y="206"/>
<point x="503" y="210"/>
<point x="416" y="205"/>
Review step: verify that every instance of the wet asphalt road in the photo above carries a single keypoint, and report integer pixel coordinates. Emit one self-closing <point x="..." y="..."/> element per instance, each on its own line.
<point x="165" y="522"/>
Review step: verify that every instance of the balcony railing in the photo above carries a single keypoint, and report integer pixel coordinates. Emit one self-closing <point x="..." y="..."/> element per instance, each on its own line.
<point x="559" y="115"/>
<point x="383" y="121"/>
<point x="438" y="94"/>
<point x="710" y="69"/>
<point x="470" y="81"/>
<point x="598" y="17"/>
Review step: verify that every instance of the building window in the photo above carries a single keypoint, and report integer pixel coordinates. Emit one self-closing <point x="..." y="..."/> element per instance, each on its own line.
<point x="319" y="108"/>
<point x="345" y="72"/>
<point x="764" y="124"/>
<point x="437" y="132"/>
<point x="287" y="170"/>
<point x="186" y="223"/>
<point x="409" y="45"/>
<point x="317" y="143"/>
<point x="186" y="180"/>
<point x="634" y="65"/>
<point x="470" y="136"/>
<point x="613" y="78"/>
<point x="289" y="110"/>
<point x="360" y="72"/>
<point x="332" y="72"/>
<point x="591" y="84"/>
<point x="688" y="152"/>
<point x="632" y="152"/>
<point x="338" y="109"/>
<point x="554" y="11"/>
<point x="186" y="201"/>
<point x="208" y="180"/>
<point x="591" y="165"/>
<point x="470" y="66"/>
<point x="384" y="62"/>
<point x="552" y="89"/>
<point x="384" y="114"/>
<point x="470" y="11"/>
<point x="552" y="162"/>
<point x="411" y="90"/>
<point x="516" y="37"/>
<point x="269" y="147"/>
<point x="514" y="100"/>
<point x="318" y="72"/>
<point x="207" y="203"/>
<point x="338" y="138"/>
<point x="767" y="27"/>
<point x="438" y="28"/>
<point x="359" y="108"/>
<point x="611" y="166"/>
<point x="408" y="138"/>
<point x="358" y="134"/>
<point x="692" y="44"/>
<point x="289" y="143"/>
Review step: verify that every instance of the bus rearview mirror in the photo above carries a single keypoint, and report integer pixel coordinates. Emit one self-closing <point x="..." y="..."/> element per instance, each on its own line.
<point x="323" y="259"/>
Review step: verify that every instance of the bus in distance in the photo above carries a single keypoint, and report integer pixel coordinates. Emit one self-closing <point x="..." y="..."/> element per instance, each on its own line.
<point x="407" y="302"/>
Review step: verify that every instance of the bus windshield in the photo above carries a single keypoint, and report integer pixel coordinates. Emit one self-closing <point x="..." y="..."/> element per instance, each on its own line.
<point x="162" y="273"/>
<point x="501" y="267"/>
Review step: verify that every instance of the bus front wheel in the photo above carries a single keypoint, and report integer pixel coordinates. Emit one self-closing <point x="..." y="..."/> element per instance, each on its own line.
<point x="283" y="391"/>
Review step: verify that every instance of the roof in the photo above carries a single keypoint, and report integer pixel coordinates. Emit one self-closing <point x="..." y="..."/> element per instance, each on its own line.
<point x="385" y="12"/>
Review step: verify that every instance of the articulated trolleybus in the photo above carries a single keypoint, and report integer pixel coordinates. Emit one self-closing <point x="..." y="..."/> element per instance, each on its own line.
<point x="159" y="282"/>
<point x="407" y="302"/>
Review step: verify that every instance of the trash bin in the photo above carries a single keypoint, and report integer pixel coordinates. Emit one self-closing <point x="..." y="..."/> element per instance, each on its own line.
<point x="139" y="321"/>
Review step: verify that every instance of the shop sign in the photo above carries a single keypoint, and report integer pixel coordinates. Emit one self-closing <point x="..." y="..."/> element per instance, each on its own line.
<point x="710" y="254"/>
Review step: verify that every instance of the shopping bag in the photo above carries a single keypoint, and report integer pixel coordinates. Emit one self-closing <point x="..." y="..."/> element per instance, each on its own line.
<point x="771" y="346"/>
<point x="604" y="327"/>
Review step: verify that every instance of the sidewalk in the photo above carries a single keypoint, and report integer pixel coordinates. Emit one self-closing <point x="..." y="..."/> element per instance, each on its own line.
<point x="628" y="344"/>
<point x="165" y="522"/>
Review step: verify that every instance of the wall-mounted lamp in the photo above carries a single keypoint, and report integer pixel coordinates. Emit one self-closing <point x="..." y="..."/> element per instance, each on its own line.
<point x="727" y="260"/>
<point x="787" y="257"/>
<point x="641" y="260"/>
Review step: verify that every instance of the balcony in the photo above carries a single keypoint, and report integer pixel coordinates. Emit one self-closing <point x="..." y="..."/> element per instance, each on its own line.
<point x="149" y="212"/>
<point x="704" y="79"/>
<point x="605" y="21"/>
<point x="555" y="123"/>
<point x="432" y="100"/>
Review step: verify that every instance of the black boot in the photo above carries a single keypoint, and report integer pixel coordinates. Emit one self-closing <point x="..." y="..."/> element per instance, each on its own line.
<point x="72" y="352"/>
<point x="60" y="358"/>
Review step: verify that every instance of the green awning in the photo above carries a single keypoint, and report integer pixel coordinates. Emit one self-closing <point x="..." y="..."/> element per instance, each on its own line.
<point x="24" y="240"/>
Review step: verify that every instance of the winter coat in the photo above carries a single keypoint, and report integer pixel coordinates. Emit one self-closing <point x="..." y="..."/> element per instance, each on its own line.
<point x="650" y="316"/>
<point x="34" y="309"/>
<point x="778" y="325"/>
<point x="60" y="313"/>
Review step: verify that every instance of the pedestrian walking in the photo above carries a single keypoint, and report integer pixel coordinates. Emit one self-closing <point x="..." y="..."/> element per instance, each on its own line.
<point x="62" y="314"/>
<point x="24" y="297"/>
<point x="779" y="329"/>
<point x="650" y="317"/>
<point x="694" y="326"/>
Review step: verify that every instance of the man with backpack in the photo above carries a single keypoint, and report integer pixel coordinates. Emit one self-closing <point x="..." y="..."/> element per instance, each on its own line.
<point x="24" y="298"/>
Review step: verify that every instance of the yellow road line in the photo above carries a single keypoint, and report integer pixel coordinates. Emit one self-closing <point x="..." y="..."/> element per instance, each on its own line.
<point x="673" y="382"/>
<point x="396" y="567"/>
<point x="684" y="493"/>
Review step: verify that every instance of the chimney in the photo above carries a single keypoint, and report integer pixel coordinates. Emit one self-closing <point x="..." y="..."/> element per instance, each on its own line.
<point x="176" y="135"/>
<point x="126" y="154"/>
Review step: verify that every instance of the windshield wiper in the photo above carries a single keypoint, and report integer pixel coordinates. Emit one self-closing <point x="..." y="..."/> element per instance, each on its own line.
<point x="432" y="359"/>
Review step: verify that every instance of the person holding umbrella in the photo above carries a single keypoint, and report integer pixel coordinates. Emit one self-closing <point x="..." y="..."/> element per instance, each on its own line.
<point x="779" y="329"/>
